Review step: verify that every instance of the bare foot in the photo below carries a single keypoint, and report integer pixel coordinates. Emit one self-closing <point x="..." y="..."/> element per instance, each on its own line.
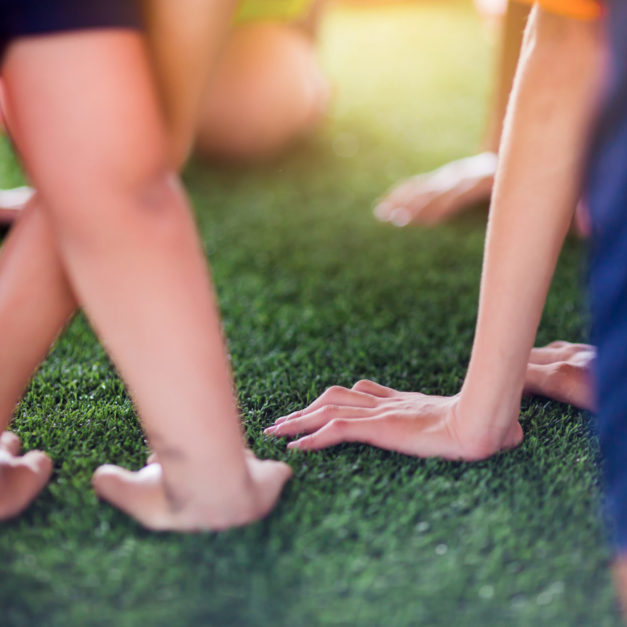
<point x="22" y="477"/>
<point x="562" y="371"/>
<point x="406" y="422"/>
<point x="436" y="196"/>
<point x="144" y="496"/>
<point x="12" y="201"/>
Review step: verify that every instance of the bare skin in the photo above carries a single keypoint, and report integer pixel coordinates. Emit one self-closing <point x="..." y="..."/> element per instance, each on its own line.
<point x="434" y="197"/>
<point x="12" y="201"/>
<point x="619" y="571"/>
<point x="384" y="417"/>
<point x="563" y="372"/>
<point x="157" y="270"/>
<point x="559" y="63"/>
<point x="266" y="92"/>
<point x="22" y="477"/>
<point x="209" y="74"/>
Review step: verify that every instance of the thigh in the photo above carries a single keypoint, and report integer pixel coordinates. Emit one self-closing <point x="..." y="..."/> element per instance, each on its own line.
<point x="83" y="111"/>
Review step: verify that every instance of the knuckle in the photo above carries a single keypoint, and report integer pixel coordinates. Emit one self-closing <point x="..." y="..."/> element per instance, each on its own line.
<point x="337" y="425"/>
<point x="556" y="344"/>
<point x="329" y="410"/>
<point x="361" y="384"/>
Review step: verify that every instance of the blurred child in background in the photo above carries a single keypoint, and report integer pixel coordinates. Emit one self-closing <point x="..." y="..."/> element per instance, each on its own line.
<point x="267" y="89"/>
<point x="109" y="230"/>
<point x="262" y="86"/>
<point x="436" y="196"/>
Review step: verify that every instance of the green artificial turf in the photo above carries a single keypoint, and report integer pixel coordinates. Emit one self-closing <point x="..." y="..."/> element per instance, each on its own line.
<point x="314" y="292"/>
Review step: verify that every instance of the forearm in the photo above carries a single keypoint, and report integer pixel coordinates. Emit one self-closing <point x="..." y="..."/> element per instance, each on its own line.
<point x="536" y="191"/>
<point x="512" y="36"/>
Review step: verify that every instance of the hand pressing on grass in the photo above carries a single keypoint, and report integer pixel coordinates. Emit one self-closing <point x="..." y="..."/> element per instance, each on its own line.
<point x="429" y="426"/>
<point x="22" y="477"/>
<point x="203" y="503"/>
<point x="437" y="196"/>
<point x="406" y="422"/>
<point x="563" y="372"/>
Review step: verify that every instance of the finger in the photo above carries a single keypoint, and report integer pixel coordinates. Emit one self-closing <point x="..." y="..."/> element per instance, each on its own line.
<point x="38" y="462"/>
<point x="405" y="208"/>
<point x="371" y="388"/>
<point x="335" y="395"/>
<point x="563" y="382"/>
<point x="270" y="476"/>
<point x="316" y="420"/>
<point x="269" y="470"/>
<point x="413" y="190"/>
<point x="22" y="481"/>
<point x="10" y="443"/>
<point x="558" y="351"/>
<point x="138" y="494"/>
<point x="338" y="431"/>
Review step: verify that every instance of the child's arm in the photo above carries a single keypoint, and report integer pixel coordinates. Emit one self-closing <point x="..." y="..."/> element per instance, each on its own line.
<point x="127" y="242"/>
<point x="537" y="186"/>
<point x="436" y="196"/>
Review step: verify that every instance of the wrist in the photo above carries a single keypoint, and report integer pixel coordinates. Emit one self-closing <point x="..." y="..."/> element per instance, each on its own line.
<point x="484" y="429"/>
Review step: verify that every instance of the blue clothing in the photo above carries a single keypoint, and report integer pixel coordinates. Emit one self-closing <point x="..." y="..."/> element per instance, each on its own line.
<point x="607" y="194"/>
<point x="23" y="18"/>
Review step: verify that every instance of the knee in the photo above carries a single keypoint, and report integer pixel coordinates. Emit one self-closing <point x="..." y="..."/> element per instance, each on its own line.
<point x="148" y="207"/>
<point x="268" y="90"/>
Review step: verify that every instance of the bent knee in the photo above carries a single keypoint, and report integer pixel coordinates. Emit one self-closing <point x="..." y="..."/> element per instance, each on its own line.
<point x="268" y="90"/>
<point x="148" y="206"/>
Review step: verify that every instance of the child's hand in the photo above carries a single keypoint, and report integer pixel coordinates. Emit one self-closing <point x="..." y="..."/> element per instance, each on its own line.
<point x="22" y="477"/>
<point x="563" y="371"/>
<point x="406" y="422"/>
<point x="434" y="197"/>
<point x="143" y="496"/>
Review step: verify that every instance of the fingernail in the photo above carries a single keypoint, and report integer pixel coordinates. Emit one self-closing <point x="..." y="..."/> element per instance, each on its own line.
<point x="295" y="444"/>
<point x="381" y="211"/>
<point x="400" y="217"/>
<point x="270" y="430"/>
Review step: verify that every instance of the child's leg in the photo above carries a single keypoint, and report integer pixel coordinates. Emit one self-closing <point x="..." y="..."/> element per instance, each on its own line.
<point x="267" y="90"/>
<point x="537" y="187"/>
<point x="128" y="244"/>
<point x="185" y="38"/>
<point x="35" y="303"/>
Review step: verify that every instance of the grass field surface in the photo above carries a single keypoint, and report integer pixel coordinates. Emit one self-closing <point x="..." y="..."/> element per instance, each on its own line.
<point x="314" y="292"/>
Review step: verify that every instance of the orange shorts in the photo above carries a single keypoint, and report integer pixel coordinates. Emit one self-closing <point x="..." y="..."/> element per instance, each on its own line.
<point x="578" y="9"/>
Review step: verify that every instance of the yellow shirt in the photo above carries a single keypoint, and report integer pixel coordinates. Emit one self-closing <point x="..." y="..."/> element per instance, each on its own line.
<point x="287" y="10"/>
